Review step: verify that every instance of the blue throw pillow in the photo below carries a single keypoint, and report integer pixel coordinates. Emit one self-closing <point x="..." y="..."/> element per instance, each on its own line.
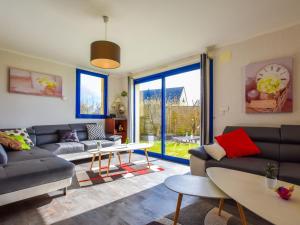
<point x="3" y="156"/>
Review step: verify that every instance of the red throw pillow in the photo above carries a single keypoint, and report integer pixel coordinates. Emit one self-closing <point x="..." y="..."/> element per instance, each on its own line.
<point x="237" y="143"/>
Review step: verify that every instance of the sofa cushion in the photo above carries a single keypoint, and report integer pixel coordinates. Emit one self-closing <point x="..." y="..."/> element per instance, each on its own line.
<point x="30" y="173"/>
<point x="289" y="172"/>
<point x="200" y="153"/>
<point x="34" y="153"/>
<point x="268" y="150"/>
<point x="47" y="134"/>
<point x="68" y="136"/>
<point x="290" y="134"/>
<point x="245" y="164"/>
<point x="267" y="140"/>
<point x="113" y="137"/>
<point x="237" y="143"/>
<point x="64" y="148"/>
<point x="215" y="151"/>
<point x="263" y="134"/>
<point x="9" y="142"/>
<point x="92" y="144"/>
<point x="81" y="130"/>
<point x="96" y="131"/>
<point x="290" y="153"/>
<point x="21" y="131"/>
<point x="3" y="156"/>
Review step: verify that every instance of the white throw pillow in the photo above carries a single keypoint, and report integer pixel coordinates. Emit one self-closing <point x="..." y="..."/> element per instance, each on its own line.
<point x="215" y="151"/>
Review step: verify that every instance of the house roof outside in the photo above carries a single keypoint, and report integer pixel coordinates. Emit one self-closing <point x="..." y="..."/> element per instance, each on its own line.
<point x="173" y="95"/>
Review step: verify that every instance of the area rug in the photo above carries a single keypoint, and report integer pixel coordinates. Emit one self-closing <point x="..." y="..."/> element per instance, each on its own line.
<point x="116" y="172"/>
<point x="205" y="212"/>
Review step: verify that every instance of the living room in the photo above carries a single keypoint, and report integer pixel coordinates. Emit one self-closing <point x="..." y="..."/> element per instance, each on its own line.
<point x="149" y="112"/>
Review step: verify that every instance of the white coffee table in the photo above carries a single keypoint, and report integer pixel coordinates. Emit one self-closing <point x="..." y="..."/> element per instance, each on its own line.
<point x="117" y="149"/>
<point x="250" y="191"/>
<point x="194" y="186"/>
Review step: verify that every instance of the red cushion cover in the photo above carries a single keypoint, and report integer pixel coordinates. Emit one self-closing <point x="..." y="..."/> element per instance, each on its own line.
<point x="237" y="143"/>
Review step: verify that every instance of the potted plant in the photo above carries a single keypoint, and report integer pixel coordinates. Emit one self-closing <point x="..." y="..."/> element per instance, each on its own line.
<point x="124" y="94"/>
<point x="271" y="179"/>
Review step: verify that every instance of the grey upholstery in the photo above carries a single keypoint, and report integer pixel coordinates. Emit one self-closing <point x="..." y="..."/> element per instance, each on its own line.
<point x="290" y="147"/>
<point x="290" y="172"/>
<point x="290" y="134"/>
<point x="113" y="137"/>
<point x="81" y="130"/>
<point x="92" y="144"/>
<point x="64" y="148"/>
<point x="40" y="165"/>
<point x="19" y="175"/>
<point x="3" y="156"/>
<point x="48" y="133"/>
<point x="200" y="153"/>
<point x="280" y="146"/>
<point x="245" y="164"/>
<point x="290" y="153"/>
<point x="263" y="134"/>
<point x="266" y="138"/>
<point x="34" y="153"/>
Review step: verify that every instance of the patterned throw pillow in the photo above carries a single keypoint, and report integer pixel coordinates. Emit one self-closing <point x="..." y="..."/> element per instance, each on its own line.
<point x="14" y="142"/>
<point x="68" y="136"/>
<point x="22" y="132"/>
<point x="96" y="131"/>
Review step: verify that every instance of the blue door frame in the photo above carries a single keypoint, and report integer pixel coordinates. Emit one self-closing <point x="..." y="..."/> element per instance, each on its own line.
<point x="162" y="76"/>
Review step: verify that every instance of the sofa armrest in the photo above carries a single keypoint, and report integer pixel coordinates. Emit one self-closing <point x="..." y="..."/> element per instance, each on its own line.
<point x="113" y="138"/>
<point x="200" y="153"/>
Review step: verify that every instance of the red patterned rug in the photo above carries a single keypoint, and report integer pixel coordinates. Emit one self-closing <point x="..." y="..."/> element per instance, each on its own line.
<point x="116" y="172"/>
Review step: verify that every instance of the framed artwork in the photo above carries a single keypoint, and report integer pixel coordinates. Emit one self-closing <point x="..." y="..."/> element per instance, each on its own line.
<point x="34" y="83"/>
<point x="91" y="94"/>
<point x="268" y="86"/>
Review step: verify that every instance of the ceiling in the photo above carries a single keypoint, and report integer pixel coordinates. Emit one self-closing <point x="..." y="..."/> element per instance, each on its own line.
<point x="150" y="32"/>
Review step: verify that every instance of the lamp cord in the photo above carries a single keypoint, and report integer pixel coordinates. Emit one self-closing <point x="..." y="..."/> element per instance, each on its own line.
<point x="105" y="18"/>
<point x="105" y="31"/>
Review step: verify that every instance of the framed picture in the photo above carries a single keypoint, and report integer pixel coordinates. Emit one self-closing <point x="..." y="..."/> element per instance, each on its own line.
<point x="34" y="83"/>
<point x="91" y="95"/>
<point x="268" y="86"/>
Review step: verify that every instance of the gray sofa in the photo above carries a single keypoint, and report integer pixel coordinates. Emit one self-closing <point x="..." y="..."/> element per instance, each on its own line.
<point x="280" y="146"/>
<point x="46" y="137"/>
<point x="45" y="167"/>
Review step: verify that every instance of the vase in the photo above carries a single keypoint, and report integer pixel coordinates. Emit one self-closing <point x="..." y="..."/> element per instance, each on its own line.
<point x="270" y="183"/>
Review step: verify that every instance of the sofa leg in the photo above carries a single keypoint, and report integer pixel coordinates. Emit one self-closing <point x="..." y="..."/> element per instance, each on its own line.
<point x="65" y="191"/>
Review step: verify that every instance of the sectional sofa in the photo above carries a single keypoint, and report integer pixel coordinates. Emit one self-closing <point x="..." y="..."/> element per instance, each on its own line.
<point x="46" y="167"/>
<point x="280" y="146"/>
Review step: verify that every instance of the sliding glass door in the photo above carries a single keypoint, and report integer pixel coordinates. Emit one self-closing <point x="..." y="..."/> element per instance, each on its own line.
<point x="167" y="112"/>
<point x="148" y="108"/>
<point x="182" y="113"/>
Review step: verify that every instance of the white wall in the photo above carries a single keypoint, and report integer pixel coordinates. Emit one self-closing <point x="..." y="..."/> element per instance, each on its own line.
<point x="17" y="110"/>
<point x="229" y="78"/>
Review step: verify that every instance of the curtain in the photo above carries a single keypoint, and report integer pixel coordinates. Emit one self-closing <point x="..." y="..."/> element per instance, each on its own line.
<point x="206" y="124"/>
<point x="130" y="109"/>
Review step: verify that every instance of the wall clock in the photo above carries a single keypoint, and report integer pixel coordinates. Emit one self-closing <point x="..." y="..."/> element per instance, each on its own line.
<point x="272" y="78"/>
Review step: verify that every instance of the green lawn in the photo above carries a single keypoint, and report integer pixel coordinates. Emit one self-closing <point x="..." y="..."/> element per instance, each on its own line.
<point x="174" y="149"/>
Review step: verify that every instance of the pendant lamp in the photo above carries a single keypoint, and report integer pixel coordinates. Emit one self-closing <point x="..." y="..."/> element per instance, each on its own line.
<point x="105" y="54"/>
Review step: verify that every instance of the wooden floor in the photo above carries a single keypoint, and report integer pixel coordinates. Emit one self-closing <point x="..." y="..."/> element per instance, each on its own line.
<point x="134" y="201"/>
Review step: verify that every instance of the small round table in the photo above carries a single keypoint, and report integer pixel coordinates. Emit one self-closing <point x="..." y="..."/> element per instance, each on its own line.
<point x="194" y="186"/>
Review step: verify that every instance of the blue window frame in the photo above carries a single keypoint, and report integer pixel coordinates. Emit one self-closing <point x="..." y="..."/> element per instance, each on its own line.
<point x="162" y="76"/>
<point x="91" y="95"/>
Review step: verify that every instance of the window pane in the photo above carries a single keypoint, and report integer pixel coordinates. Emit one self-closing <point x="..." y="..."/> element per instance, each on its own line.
<point x="182" y="113"/>
<point x="148" y="113"/>
<point x="91" y="95"/>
